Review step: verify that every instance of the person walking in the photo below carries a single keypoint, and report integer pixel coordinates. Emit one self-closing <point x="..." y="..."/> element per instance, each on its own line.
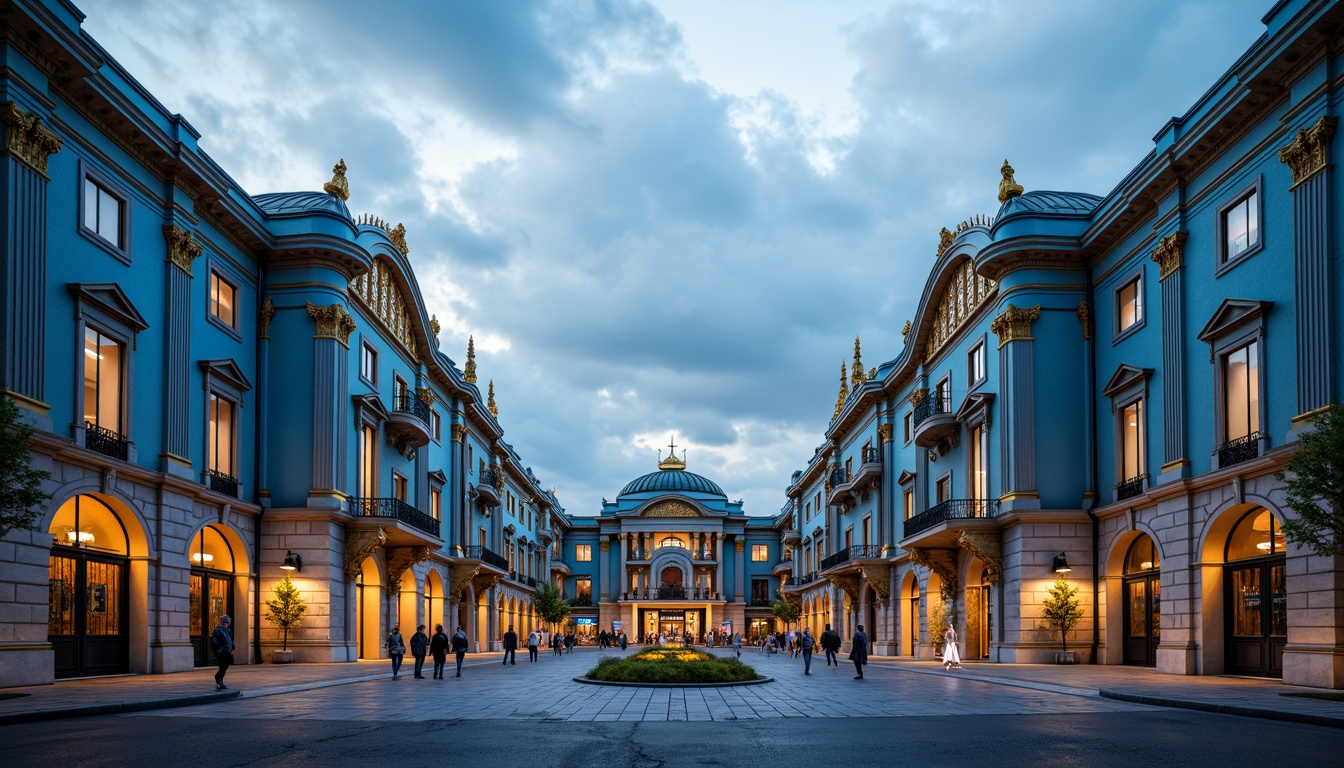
<point x="805" y="644"/>
<point x="951" y="656"/>
<point x="438" y="648"/>
<point x="830" y="643"/>
<point x="533" y="640"/>
<point x="221" y="642"/>
<point x="624" y="640"/>
<point x="858" y="652"/>
<point x="791" y="640"/>
<point x="737" y="644"/>
<point x="510" y="646"/>
<point x="396" y="649"/>
<point x="419" y="647"/>
<point x="459" y="648"/>
<point x="557" y="643"/>
<point x="570" y="639"/>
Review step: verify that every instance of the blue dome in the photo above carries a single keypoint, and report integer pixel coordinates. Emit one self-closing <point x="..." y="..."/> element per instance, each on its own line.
<point x="1058" y="203"/>
<point x="672" y="481"/>
<point x="297" y="203"/>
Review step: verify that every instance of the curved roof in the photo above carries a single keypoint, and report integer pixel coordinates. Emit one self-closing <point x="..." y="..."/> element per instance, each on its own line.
<point x="1060" y="203"/>
<point x="291" y="203"/>
<point x="672" y="481"/>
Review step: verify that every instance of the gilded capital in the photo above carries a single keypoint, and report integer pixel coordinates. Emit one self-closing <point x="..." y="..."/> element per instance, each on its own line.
<point x="333" y="322"/>
<point x="1168" y="254"/>
<point x="918" y="395"/>
<point x="1015" y="324"/>
<point x="459" y="432"/>
<point x="1008" y="187"/>
<point x="27" y="138"/>
<point x="604" y="545"/>
<point x="884" y="433"/>
<point x="182" y="248"/>
<point x="1309" y="151"/>
<point x="338" y="186"/>
<point x="267" y="312"/>
<point x="739" y="546"/>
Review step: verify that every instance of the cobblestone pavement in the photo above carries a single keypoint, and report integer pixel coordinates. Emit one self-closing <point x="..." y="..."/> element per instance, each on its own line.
<point x="546" y="691"/>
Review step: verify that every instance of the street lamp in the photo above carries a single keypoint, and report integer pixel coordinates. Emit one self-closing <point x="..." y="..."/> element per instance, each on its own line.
<point x="292" y="562"/>
<point x="1062" y="564"/>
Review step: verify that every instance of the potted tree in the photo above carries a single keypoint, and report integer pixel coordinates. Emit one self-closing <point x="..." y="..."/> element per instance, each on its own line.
<point x="937" y="626"/>
<point x="1062" y="613"/>
<point x="550" y="605"/>
<point x="285" y="611"/>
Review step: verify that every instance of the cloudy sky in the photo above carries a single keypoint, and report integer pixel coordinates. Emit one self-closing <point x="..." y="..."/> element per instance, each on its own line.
<point x="673" y="217"/>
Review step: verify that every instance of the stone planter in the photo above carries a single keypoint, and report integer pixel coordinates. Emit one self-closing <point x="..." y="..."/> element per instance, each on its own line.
<point x="1066" y="657"/>
<point x="282" y="657"/>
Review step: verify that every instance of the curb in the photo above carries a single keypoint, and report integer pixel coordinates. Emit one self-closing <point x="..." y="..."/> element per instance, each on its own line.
<point x="757" y="681"/>
<point x="119" y="708"/>
<point x="1226" y="709"/>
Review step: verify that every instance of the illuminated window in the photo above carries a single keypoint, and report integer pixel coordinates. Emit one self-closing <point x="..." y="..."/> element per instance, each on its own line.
<point x="104" y="213"/>
<point x="583" y="553"/>
<point x="223" y="300"/>
<point x="222" y="437"/>
<point x="103" y="361"/>
<point x="671" y="541"/>
<point x="399" y="486"/>
<point x="975" y="365"/>
<point x="1129" y="305"/>
<point x="1241" y="392"/>
<point x="368" y="461"/>
<point x="760" y="553"/>
<point x="1241" y="226"/>
<point x="436" y="503"/>
<point x="1131" y="440"/>
<point x="909" y="501"/>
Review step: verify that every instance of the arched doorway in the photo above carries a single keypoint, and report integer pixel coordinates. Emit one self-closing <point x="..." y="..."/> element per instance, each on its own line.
<point x="88" y="573"/>
<point x="368" y="610"/>
<point x="1142" y="602"/>
<point x="912" y="613"/>
<point x="211" y="589"/>
<point x="979" y="616"/>
<point x="434" y="601"/>
<point x="1255" y="585"/>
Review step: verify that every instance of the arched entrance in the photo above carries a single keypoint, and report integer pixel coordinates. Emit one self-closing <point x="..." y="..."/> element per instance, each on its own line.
<point x="1255" y="586"/>
<point x="912" y="612"/>
<point x="88" y="622"/>
<point x="434" y="600"/>
<point x="979" y="615"/>
<point x="1142" y="602"/>
<point x="368" y="610"/>
<point x="211" y="589"/>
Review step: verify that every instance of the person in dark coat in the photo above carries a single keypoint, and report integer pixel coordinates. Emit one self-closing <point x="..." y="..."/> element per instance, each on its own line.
<point x="459" y="646"/>
<point x="830" y="643"/>
<point x="805" y="644"/>
<point x="624" y="640"/>
<point x="438" y="648"/>
<point x="557" y="643"/>
<point x="570" y="639"/>
<point x="396" y="649"/>
<point x="221" y="642"/>
<point x="510" y="646"/>
<point x="858" y="652"/>
<point x="419" y="647"/>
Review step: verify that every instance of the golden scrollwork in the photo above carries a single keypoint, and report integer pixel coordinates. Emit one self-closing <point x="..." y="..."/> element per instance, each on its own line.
<point x="942" y="562"/>
<point x="857" y="376"/>
<point x="459" y="432"/>
<point x="1309" y="151"/>
<point x="843" y="395"/>
<point x="739" y="546"/>
<point x="338" y="186"/>
<point x="917" y="396"/>
<point x="884" y="433"/>
<point x="425" y="394"/>
<point x="27" y="138"/>
<point x="945" y="238"/>
<point x="399" y="561"/>
<point x="670" y="509"/>
<point x="267" y="312"/>
<point x="469" y="372"/>
<point x="1015" y="324"/>
<point x="877" y="576"/>
<point x="182" y="247"/>
<point x="359" y="545"/>
<point x="1168" y="254"/>
<point x="490" y="401"/>
<point x="434" y="326"/>
<point x="1008" y="187"/>
<point x="460" y="578"/>
<point x="604" y="545"/>
<point x="377" y="289"/>
<point x="987" y="547"/>
<point x="905" y="333"/>
<point x="965" y="293"/>
<point x="1084" y="319"/>
<point x="398" y="238"/>
<point x="333" y="322"/>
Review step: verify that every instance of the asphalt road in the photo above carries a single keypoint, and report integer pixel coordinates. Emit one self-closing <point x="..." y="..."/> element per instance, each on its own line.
<point x="1145" y="738"/>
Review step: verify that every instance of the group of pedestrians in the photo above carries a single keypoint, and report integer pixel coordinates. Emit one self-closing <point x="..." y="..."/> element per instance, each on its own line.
<point x="804" y="644"/>
<point x="423" y="645"/>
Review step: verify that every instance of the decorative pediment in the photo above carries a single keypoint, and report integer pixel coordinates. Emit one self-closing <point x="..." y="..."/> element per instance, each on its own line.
<point x="1125" y="377"/>
<point x="1232" y="314"/>
<point x="976" y="405"/>
<point x="906" y="477"/>
<point x="226" y="371"/>
<point x="671" y="509"/>
<point x="368" y="407"/>
<point x="109" y="299"/>
<point x="437" y="476"/>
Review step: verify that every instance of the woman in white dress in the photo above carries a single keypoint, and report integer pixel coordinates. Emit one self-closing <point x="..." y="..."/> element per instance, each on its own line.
<point x="951" y="659"/>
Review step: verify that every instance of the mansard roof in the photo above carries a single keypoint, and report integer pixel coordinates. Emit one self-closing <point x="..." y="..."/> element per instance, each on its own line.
<point x="300" y="203"/>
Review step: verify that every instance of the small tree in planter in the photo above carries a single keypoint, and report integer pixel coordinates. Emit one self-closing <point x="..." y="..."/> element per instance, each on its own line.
<point x="937" y="625"/>
<point x="1062" y="613"/>
<point x="550" y="605"/>
<point x="784" y="610"/>
<point x="285" y="612"/>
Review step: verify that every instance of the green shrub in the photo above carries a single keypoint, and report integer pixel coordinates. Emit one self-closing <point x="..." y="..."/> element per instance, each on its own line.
<point x="671" y="665"/>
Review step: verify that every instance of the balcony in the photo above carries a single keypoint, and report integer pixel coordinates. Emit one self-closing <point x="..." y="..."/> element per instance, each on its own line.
<point x="487" y="490"/>
<point x="105" y="441"/>
<point x="782" y="567"/>
<point x="394" y="509"/>
<point x="408" y="421"/>
<point x="672" y="592"/>
<point x="791" y="536"/>
<point x="934" y="421"/>
<point x="1131" y="487"/>
<point x="850" y="554"/>
<point x="559" y="566"/>
<point x="221" y="483"/>
<point x="807" y="578"/>
<point x="1239" y="450"/>
<point x="952" y="509"/>
<point x="487" y="556"/>
<point x="760" y="602"/>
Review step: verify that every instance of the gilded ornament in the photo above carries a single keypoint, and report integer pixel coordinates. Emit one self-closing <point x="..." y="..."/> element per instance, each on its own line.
<point x="434" y="326"/>
<point x="945" y="238"/>
<point x="857" y="375"/>
<point x="27" y="138"/>
<point x="399" y="561"/>
<point x="426" y="395"/>
<point x="917" y="396"/>
<point x="987" y="548"/>
<point x="905" y="333"/>
<point x="182" y="248"/>
<point x="1084" y="319"/>
<point x="843" y="395"/>
<point x="1008" y="187"/>
<point x="604" y="545"/>
<point x="459" y="580"/>
<point x="877" y="579"/>
<point x="672" y="462"/>
<point x="359" y="544"/>
<point x="884" y="433"/>
<point x="1015" y="324"/>
<point x="398" y="238"/>
<point x="469" y="372"/>
<point x="377" y="289"/>
<point x="1309" y="151"/>
<point x="942" y="562"/>
<point x="267" y="312"/>
<point x="333" y="322"/>
<point x="338" y="186"/>
<point x="670" y="509"/>
<point x="963" y="295"/>
<point x="739" y="546"/>
<point x="459" y="432"/>
<point x="490" y="401"/>
<point x="1168" y="254"/>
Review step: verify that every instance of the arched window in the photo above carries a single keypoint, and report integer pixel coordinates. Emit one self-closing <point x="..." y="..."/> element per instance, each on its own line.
<point x="1143" y="556"/>
<point x="671" y="541"/>
<point x="1257" y="534"/>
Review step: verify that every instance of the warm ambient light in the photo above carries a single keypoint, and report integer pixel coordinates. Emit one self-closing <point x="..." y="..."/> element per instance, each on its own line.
<point x="202" y="557"/>
<point x="1263" y="546"/>
<point x="1062" y="564"/>
<point x="292" y="562"/>
<point x="83" y="537"/>
<point x="1146" y="565"/>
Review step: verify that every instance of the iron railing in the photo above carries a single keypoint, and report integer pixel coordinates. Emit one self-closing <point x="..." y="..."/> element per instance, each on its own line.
<point x="105" y="441"/>
<point x="1131" y="487"/>
<point x="408" y="401"/>
<point x="933" y="404"/>
<point x="583" y="599"/>
<point x="952" y="509"/>
<point x="760" y="602"/>
<point x="839" y="477"/>
<point x="396" y="509"/>
<point x="807" y="578"/>
<point x="487" y="556"/>
<point x="872" y="456"/>
<point x="222" y="483"/>
<point x="488" y="478"/>
<point x="1239" y="450"/>
<point x="856" y="552"/>
<point x="531" y="581"/>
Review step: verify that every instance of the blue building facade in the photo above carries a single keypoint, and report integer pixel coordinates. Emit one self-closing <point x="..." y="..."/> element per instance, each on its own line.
<point x="1104" y="387"/>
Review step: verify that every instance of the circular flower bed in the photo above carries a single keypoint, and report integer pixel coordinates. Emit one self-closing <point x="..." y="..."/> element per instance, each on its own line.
<point x="674" y="664"/>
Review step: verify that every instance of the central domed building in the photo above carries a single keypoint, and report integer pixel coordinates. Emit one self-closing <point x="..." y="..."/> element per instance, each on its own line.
<point x="673" y="556"/>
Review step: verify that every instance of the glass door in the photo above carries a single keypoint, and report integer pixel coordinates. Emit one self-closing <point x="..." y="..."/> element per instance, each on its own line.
<point x="1257" y="618"/>
<point x="87" y="617"/>
<point x="211" y="598"/>
<point x="1143" y="616"/>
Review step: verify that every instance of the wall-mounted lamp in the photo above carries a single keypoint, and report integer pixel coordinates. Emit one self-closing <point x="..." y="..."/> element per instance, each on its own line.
<point x="292" y="562"/>
<point x="1062" y="564"/>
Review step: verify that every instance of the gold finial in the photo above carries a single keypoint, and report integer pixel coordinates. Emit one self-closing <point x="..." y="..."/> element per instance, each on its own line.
<point x="945" y="238"/>
<point x="672" y="462"/>
<point x="490" y="401"/>
<point x="905" y="333"/>
<point x="844" y="392"/>
<point x="398" y="238"/>
<point x="857" y="376"/>
<point x="1008" y="188"/>
<point x="338" y="186"/>
<point x="469" y="373"/>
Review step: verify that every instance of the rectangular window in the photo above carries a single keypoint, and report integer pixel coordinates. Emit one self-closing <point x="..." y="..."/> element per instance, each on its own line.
<point x="817" y="505"/>
<point x="1241" y="226"/>
<point x="103" y="213"/>
<point x="975" y="461"/>
<point x="866" y="531"/>
<point x="436" y="503"/>
<point x="222" y="428"/>
<point x="436" y="422"/>
<point x="583" y="588"/>
<point x="103" y="360"/>
<point x="1131" y="440"/>
<point x="368" y="461"/>
<point x="849" y="467"/>
<point x="583" y="553"/>
<point x="1241" y="374"/>
<point x="909" y="500"/>
<point x="807" y="511"/>
<point x="1129" y="305"/>
<point x="398" y="486"/>
<point x="944" y="391"/>
<point x="223" y="300"/>
<point x="760" y="591"/>
<point x="849" y="537"/>
<point x="908" y="422"/>
<point x="944" y="488"/>
<point x="975" y="365"/>
<point x="482" y="537"/>
<point x="760" y="553"/>
<point x="368" y="363"/>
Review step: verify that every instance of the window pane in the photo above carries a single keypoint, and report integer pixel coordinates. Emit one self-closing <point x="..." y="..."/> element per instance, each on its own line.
<point x="1237" y="395"/>
<point x="109" y="218"/>
<point x="1252" y="388"/>
<point x="90" y="205"/>
<point x="91" y="376"/>
<point x="109" y="384"/>
<point x="1131" y="305"/>
<point x="1131" y="430"/>
<point x="1246" y="602"/>
<point x="1236" y="230"/>
<point x="1252" y="221"/>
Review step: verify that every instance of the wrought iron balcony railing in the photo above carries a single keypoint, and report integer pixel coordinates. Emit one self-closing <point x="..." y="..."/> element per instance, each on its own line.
<point x="760" y="602"/>
<point x="222" y="483"/>
<point x="872" y="456"/>
<point x="582" y="600"/>
<point x="952" y="509"/>
<point x="396" y="509"/>
<point x="1131" y="487"/>
<point x="839" y="477"/>
<point x="856" y="552"/>
<point x="933" y="404"/>
<point x="1239" y="450"/>
<point x="105" y="441"/>
<point x="487" y="556"/>
<point x="807" y="578"/>
<point x="408" y="401"/>
<point x="488" y="478"/>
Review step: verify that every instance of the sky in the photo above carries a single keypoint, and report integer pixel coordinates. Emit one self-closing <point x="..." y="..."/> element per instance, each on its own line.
<point x="672" y="217"/>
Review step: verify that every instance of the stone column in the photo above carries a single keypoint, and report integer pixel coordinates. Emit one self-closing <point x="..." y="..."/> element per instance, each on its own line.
<point x="178" y="309"/>
<point x="623" y="541"/>
<point x="460" y="533"/>
<point x="740" y="567"/>
<point x="1169" y="258"/>
<point x="331" y="343"/>
<point x="886" y="520"/>
<point x="1016" y="378"/>
<point x="604" y="566"/>
<point x="718" y="558"/>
